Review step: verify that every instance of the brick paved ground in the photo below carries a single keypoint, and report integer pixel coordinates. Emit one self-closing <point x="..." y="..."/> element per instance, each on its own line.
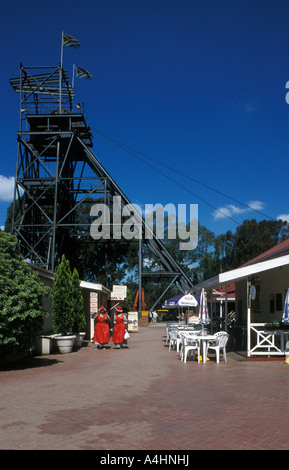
<point x="143" y="398"/>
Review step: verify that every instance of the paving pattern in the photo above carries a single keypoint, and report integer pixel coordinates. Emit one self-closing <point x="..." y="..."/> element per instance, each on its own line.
<point x="143" y="398"/>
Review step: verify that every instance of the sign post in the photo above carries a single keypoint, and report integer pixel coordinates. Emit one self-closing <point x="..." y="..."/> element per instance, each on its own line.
<point x="132" y="321"/>
<point x="118" y="293"/>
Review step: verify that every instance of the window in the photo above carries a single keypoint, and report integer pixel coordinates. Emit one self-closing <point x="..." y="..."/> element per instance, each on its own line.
<point x="279" y="303"/>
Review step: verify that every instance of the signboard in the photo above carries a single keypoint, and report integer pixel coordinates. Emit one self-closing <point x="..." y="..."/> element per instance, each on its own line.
<point x="253" y="292"/>
<point x="132" y="321"/>
<point x="118" y="293"/>
<point x="93" y="307"/>
<point x="93" y="302"/>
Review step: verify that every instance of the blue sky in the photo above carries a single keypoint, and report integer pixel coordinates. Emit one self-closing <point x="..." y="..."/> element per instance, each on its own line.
<point x="197" y="85"/>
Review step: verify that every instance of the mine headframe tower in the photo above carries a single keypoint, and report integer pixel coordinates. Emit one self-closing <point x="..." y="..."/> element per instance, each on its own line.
<point x="57" y="173"/>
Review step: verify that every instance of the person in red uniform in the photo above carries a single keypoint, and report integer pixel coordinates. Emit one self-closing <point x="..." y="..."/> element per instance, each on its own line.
<point x="101" y="330"/>
<point x="119" y="328"/>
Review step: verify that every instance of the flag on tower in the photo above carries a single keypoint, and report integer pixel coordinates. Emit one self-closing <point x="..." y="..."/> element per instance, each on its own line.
<point x="82" y="73"/>
<point x="69" y="41"/>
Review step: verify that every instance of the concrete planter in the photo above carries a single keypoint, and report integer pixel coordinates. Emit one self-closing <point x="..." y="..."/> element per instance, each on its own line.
<point x="78" y="340"/>
<point x="44" y="345"/>
<point x="65" y="343"/>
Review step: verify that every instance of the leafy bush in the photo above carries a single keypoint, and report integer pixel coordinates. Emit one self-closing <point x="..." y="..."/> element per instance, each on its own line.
<point x="67" y="304"/>
<point x="21" y="311"/>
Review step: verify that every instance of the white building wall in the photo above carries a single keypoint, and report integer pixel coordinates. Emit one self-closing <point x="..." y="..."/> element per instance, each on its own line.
<point x="272" y="282"/>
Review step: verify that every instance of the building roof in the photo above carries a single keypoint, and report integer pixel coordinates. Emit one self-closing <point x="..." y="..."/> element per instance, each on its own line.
<point x="275" y="257"/>
<point x="242" y="273"/>
<point x="85" y="285"/>
<point x="222" y="289"/>
<point x="221" y="293"/>
<point x="93" y="286"/>
<point x="274" y="252"/>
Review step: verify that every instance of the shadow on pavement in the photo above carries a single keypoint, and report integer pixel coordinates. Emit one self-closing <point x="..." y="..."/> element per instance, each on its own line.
<point x="29" y="363"/>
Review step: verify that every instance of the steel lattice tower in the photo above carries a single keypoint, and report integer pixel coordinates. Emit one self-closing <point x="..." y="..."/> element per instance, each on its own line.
<point x="56" y="172"/>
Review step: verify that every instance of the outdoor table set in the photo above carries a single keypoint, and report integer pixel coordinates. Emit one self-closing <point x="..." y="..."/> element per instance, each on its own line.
<point x="185" y="338"/>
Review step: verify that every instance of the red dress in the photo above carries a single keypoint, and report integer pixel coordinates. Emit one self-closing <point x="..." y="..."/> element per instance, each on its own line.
<point x="119" y="329"/>
<point x="101" y="329"/>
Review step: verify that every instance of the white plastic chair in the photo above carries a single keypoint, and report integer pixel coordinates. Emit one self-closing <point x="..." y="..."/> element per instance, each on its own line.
<point x="189" y="343"/>
<point x="169" y="327"/>
<point x="173" y="336"/>
<point x="219" y="344"/>
<point x="179" y="341"/>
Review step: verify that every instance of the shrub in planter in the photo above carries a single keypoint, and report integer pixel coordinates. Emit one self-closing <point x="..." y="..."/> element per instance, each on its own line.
<point x="275" y="325"/>
<point x="79" y="325"/>
<point x="67" y="305"/>
<point x="62" y="307"/>
<point x="62" y="304"/>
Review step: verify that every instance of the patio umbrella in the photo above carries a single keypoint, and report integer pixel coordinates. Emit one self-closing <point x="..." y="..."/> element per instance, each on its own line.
<point x="204" y="311"/>
<point x="187" y="300"/>
<point x="285" y="316"/>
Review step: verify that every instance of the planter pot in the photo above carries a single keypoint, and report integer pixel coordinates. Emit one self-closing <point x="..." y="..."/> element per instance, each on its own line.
<point x="65" y="343"/>
<point x="78" y="340"/>
<point x="44" y="345"/>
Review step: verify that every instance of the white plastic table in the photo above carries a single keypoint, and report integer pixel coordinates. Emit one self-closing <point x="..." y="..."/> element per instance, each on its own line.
<point x="204" y="339"/>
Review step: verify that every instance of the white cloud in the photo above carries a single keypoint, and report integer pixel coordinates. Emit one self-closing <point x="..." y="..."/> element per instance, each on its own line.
<point x="6" y="188"/>
<point x="231" y="209"/>
<point x="256" y="205"/>
<point x="284" y="217"/>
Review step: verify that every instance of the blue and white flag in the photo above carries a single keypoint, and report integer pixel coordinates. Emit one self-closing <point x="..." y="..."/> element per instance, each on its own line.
<point x="285" y="316"/>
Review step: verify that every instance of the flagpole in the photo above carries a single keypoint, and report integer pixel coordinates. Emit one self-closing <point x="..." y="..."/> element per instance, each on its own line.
<point x="73" y="72"/>
<point x="60" y="73"/>
<point x="61" y="53"/>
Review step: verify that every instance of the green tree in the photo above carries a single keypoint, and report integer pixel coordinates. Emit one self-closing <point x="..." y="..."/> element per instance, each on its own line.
<point x="21" y="311"/>
<point x="253" y="238"/>
<point x="77" y="303"/>
<point x="63" y="303"/>
<point x="128" y="303"/>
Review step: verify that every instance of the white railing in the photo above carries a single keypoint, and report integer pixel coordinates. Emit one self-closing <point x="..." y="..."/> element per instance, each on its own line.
<point x="266" y="343"/>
